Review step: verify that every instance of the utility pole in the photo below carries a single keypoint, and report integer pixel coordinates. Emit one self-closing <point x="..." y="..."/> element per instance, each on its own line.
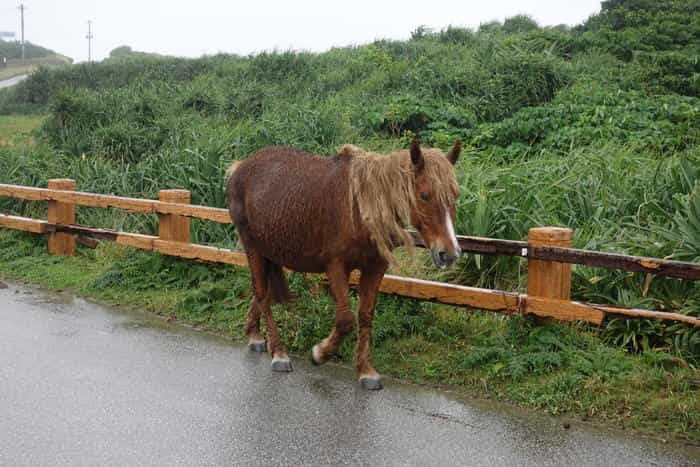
<point x="21" y="13"/>
<point x="89" y="38"/>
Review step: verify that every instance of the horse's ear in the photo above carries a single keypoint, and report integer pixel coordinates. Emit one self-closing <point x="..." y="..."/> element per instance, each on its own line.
<point x="417" y="155"/>
<point x="453" y="155"/>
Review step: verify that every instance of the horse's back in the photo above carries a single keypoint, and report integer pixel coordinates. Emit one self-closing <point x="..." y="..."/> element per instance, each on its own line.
<point x="279" y="172"/>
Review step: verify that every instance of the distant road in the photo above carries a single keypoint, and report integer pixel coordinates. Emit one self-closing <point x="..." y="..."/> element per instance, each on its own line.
<point x="12" y="81"/>
<point x="84" y="385"/>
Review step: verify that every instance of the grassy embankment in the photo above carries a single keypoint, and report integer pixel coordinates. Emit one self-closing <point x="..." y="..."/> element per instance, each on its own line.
<point x="562" y="369"/>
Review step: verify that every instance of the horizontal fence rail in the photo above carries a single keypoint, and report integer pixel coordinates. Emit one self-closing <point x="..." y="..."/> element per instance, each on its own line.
<point x="494" y="246"/>
<point x="479" y="245"/>
<point x="543" y="300"/>
<point x="146" y="206"/>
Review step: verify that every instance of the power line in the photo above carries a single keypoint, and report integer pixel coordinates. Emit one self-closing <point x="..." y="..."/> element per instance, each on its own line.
<point x="89" y="38"/>
<point x="21" y="13"/>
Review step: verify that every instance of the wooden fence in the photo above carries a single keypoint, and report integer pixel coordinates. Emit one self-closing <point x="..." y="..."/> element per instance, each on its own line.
<point x="548" y="252"/>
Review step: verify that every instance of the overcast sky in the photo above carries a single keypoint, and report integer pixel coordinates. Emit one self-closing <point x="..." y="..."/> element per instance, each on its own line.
<point x="192" y="28"/>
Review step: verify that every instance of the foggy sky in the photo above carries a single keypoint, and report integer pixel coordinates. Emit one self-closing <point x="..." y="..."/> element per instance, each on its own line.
<point x="194" y="28"/>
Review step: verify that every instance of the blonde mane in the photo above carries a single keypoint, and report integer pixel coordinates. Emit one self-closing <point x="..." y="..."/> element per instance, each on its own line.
<point x="382" y="188"/>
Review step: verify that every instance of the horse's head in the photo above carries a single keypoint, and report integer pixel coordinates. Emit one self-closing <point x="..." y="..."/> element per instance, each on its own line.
<point x="434" y="210"/>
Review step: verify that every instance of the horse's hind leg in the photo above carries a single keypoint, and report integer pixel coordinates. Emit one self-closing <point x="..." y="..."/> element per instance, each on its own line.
<point x="338" y="277"/>
<point x="263" y="297"/>
<point x="256" y="342"/>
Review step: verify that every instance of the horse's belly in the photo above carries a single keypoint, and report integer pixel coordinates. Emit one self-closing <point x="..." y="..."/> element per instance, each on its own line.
<point x="299" y="262"/>
<point x="305" y="265"/>
<point x="289" y="251"/>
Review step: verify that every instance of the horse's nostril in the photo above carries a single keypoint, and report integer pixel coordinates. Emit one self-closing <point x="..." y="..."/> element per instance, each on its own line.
<point x="443" y="256"/>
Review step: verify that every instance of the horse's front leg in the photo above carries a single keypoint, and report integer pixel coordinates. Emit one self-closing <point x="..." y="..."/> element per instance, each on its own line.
<point x="369" y="286"/>
<point x="338" y="278"/>
<point x="256" y="342"/>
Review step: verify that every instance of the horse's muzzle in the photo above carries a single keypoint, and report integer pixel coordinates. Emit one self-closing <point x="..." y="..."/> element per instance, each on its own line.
<point x="443" y="259"/>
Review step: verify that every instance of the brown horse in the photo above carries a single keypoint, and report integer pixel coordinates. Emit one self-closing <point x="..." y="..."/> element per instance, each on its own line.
<point x="334" y="215"/>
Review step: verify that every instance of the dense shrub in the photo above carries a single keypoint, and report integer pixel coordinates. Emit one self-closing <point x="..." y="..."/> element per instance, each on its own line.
<point x="677" y="72"/>
<point x="519" y="23"/>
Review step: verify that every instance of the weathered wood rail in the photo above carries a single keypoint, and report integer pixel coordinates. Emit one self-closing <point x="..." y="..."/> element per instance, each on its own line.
<point x="548" y="252"/>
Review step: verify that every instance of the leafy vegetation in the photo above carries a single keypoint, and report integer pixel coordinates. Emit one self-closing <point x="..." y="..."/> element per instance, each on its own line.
<point x="596" y="127"/>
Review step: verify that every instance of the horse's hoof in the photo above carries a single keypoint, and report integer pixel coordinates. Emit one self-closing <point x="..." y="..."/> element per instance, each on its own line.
<point x="371" y="383"/>
<point x="283" y="365"/>
<point x="258" y="346"/>
<point x="316" y="355"/>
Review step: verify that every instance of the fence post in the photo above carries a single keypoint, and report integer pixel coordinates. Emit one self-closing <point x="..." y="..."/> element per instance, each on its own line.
<point x="174" y="227"/>
<point x="61" y="213"/>
<point x="548" y="278"/>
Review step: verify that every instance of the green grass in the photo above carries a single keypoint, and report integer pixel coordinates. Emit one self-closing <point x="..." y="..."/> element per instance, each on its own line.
<point x="18" y="129"/>
<point x="565" y="370"/>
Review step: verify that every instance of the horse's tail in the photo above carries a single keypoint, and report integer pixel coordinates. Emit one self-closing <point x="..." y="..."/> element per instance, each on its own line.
<point x="229" y="172"/>
<point x="277" y="283"/>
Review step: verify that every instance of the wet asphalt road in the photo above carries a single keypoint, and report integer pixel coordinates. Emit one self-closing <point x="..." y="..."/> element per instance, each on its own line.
<point x="11" y="81"/>
<point x="84" y="385"/>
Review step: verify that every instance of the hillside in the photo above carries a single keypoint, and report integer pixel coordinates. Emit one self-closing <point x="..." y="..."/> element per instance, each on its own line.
<point x="35" y="56"/>
<point x="13" y="50"/>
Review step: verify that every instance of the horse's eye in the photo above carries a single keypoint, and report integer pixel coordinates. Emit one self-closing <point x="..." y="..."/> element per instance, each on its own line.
<point x="424" y="196"/>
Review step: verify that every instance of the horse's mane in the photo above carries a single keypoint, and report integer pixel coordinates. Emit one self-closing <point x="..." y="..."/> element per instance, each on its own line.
<point x="382" y="188"/>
